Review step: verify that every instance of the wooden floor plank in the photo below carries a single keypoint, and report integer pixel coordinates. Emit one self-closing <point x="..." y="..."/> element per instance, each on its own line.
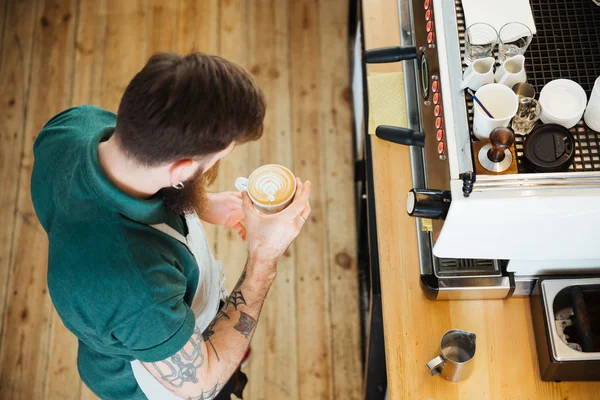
<point x="3" y="18"/>
<point x="199" y="26"/>
<point x="90" y="49"/>
<point x="269" y="63"/>
<point x="338" y="172"/>
<point x="125" y="48"/>
<point x="30" y="338"/>
<point x="15" y="61"/>
<point x="163" y="30"/>
<point x="314" y="355"/>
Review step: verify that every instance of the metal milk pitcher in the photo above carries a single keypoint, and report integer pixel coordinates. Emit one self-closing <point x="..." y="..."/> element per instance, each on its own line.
<point x="455" y="362"/>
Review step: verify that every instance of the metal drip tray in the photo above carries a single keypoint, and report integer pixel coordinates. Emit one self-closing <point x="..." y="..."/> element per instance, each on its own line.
<point x="567" y="46"/>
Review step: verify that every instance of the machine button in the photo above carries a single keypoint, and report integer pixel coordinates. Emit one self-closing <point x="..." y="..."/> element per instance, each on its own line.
<point x="437" y="110"/>
<point x="439" y="135"/>
<point x="438" y="122"/>
<point x="430" y="37"/>
<point x="435" y="86"/>
<point x="428" y="15"/>
<point x="436" y="98"/>
<point x="441" y="148"/>
<point x="427" y="4"/>
<point x="429" y="26"/>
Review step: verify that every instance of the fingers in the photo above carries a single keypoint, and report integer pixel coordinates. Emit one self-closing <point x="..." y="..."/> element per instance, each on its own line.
<point x="300" y="200"/>
<point x="303" y="217"/>
<point x="241" y="230"/>
<point x="306" y="212"/>
<point x="247" y="204"/>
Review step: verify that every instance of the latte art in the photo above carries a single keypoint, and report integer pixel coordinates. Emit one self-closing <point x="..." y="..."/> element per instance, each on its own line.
<point x="271" y="184"/>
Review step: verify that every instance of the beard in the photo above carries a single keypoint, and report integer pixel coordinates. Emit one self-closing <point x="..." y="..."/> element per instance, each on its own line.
<point x="193" y="195"/>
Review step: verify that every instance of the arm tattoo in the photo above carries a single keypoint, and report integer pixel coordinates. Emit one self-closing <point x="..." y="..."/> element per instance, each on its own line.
<point x="210" y="330"/>
<point x="245" y="325"/>
<point x="236" y="298"/>
<point x="210" y="394"/>
<point x="182" y="366"/>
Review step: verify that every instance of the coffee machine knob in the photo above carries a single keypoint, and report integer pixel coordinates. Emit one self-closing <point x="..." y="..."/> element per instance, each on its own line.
<point x="427" y="203"/>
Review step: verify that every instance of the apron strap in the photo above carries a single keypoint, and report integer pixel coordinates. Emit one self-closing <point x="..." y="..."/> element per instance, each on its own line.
<point x="166" y="229"/>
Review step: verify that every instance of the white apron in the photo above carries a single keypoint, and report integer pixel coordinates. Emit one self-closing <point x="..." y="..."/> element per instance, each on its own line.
<point x="205" y="305"/>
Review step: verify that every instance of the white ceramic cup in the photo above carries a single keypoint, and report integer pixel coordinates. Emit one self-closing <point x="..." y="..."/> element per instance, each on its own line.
<point x="500" y="101"/>
<point x="592" y="111"/>
<point x="511" y="71"/>
<point x="479" y="73"/>
<point x="241" y="184"/>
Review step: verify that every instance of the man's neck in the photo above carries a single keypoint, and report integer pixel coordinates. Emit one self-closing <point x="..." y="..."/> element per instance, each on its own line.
<point x="125" y="173"/>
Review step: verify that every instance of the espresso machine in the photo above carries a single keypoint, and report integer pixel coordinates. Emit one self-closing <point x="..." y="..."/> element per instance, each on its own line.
<point x="487" y="225"/>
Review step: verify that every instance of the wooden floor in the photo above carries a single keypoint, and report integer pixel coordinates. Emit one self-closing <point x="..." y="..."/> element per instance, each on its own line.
<point x="55" y="54"/>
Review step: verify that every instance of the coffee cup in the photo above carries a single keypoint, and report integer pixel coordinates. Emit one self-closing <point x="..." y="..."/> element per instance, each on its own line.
<point x="270" y="187"/>
<point x="502" y="104"/>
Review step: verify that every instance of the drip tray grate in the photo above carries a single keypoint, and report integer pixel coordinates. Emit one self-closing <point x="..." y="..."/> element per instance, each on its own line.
<point x="463" y="268"/>
<point x="567" y="45"/>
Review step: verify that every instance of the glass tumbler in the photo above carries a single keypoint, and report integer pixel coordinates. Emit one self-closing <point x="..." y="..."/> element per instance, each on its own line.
<point x="528" y="113"/>
<point x="514" y="40"/>
<point x="480" y="41"/>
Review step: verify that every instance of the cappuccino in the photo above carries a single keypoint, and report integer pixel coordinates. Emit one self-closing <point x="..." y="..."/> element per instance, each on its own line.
<point x="271" y="187"/>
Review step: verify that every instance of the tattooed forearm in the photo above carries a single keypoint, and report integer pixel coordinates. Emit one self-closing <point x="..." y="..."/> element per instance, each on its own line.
<point x="181" y="367"/>
<point x="245" y="325"/>
<point x="210" y="330"/>
<point x="210" y="394"/>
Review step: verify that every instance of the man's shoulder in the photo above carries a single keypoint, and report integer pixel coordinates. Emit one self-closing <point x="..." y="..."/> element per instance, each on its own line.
<point x="83" y="114"/>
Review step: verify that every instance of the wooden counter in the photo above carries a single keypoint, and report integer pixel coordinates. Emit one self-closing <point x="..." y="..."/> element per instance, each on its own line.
<point x="506" y="362"/>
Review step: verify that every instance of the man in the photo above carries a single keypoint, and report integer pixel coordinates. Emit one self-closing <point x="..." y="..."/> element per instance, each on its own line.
<point x="129" y="269"/>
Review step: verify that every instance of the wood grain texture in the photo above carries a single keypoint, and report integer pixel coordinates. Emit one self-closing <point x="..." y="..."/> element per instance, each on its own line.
<point x="15" y="63"/>
<point x="506" y="361"/>
<point x="338" y="171"/>
<point x="269" y="63"/>
<point x="32" y="320"/>
<point x="306" y="344"/>
<point x="315" y="355"/>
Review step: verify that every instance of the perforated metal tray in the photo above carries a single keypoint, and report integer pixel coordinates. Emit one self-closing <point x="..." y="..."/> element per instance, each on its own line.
<point x="567" y="45"/>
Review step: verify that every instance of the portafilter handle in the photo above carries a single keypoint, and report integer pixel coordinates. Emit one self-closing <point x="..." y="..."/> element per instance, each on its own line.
<point x="501" y="139"/>
<point x="389" y="54"/>
<point x="404" y="136"/>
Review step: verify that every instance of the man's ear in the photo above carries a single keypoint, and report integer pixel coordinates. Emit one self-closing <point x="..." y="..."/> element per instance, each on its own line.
<point x="181" y="171"/>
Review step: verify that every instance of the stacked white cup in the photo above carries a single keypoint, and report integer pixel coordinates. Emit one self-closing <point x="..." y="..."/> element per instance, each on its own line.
<point x="592" y="112"/>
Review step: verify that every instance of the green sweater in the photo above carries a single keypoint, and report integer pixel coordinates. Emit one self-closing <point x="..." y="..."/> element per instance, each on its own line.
<point x="123" y="288"/>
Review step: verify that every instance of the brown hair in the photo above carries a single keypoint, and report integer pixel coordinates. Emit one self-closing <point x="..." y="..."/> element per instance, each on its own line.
<point x="180" y="107"/>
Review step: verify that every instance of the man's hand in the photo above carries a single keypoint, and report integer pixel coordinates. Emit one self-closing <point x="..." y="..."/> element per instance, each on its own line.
<point x="225" y="208"/>
<point x="268" y="236"/>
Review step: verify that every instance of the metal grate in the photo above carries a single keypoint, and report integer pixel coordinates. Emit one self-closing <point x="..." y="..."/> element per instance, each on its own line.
<point x="567" y="45"/>
<point x="460" y="268"/>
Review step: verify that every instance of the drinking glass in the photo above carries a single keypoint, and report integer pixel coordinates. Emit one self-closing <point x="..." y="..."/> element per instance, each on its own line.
<point x="528" y="113"/>
<point x="480" y="41"/>
<point x="514" y="40"/>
